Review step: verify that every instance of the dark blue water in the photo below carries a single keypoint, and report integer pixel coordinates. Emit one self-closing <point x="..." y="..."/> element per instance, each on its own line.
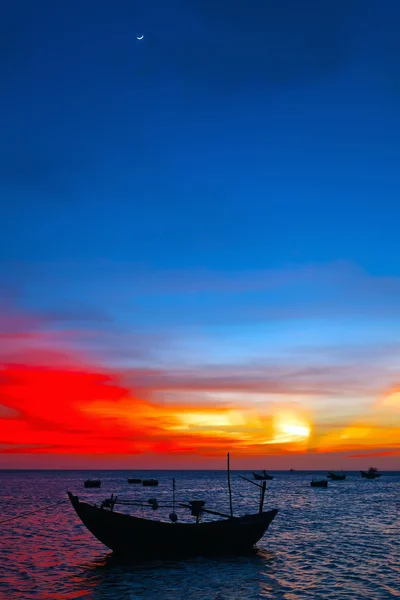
<point x="333" y="544"/>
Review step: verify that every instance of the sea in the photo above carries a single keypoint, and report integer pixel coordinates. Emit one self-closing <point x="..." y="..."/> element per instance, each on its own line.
<point x="338" y="543"/>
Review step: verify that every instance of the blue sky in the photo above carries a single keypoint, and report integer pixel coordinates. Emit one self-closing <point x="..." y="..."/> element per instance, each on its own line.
<point x="224" y="191"/>
<point x="232" y="137"/>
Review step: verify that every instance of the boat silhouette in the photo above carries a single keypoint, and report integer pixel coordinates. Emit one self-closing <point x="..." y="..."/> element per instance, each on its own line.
<point x="336" y="476"/>
<point x="372" y="473"/>
<point x="145" y="538"/>
<point x="320" y="483"/>
<point x="92" y="483"/>
<point x="263" y="476"/>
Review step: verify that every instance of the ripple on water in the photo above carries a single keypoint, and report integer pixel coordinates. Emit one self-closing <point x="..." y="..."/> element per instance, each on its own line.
<point x="338" y="543"/>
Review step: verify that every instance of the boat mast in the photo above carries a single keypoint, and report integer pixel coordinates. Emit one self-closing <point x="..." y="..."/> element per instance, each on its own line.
<point x="229" y="487"/>
<point x="262" y="495"/>
<point x="173" y="516"/>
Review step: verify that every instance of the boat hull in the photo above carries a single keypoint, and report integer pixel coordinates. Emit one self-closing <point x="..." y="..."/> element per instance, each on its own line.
<point x="146" y="539"/>
<point x="368" y="475"/>
<point x="258" y="477"/>
<point x="335" y="477"/>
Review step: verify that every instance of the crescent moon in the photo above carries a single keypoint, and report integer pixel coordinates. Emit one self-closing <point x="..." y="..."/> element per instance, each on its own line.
<point x="139" y="37"/>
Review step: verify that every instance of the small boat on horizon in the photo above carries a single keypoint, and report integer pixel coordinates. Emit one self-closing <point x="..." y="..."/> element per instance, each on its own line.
<point x="372" y="473"/>
<point x="320" y="483"/>
<point x="263" y="476"/>
<point x="92" y="483"/>
<point x="134" y="480"/>
<point x="144" y="538"/>
<point x="336" y="476"/>
<point x="150" y="482"/>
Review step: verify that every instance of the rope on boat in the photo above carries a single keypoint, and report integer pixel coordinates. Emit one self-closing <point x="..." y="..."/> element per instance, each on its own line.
<point x="31" y="512"/>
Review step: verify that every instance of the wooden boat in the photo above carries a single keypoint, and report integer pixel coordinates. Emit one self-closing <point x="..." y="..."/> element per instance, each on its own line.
<point x="320" y="483"/>
<point x="134" y="480"/>
<point x="262" y="476"/>
<point x="150" y="482"/>
<point x="142" y="538"/>
<point x="336" y="476"/>
<point x="372" y="473"/>
<point x="92" y="483"/>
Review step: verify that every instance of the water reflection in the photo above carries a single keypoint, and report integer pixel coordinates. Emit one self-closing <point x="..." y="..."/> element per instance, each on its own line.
<point x="228" y="578"/>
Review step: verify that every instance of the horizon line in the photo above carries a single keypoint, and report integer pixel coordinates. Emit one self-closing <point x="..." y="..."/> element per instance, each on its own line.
<point x="194" y="470"/>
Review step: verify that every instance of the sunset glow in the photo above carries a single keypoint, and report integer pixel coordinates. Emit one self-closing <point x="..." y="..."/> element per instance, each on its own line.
<point x="55" y="400"/>
<point x="391" y="401"/>
<point x="199" y="249"/>
<point x="289" y="427"/>
<point x="199" y="299"/>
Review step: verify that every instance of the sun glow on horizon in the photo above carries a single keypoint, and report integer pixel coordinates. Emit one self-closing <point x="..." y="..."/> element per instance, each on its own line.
<point x="55" y="401"/>
<point x="289" y="427"/>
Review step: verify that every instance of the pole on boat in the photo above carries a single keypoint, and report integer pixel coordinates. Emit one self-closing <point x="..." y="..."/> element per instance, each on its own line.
<point x="173" y="516"/>
<point x="263" y="488"/>
<point x="229" y="486"/>
<point x="250" y="481"/>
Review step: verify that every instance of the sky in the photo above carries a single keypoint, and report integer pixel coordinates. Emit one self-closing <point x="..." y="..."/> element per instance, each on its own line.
<point x="199" y="247"/>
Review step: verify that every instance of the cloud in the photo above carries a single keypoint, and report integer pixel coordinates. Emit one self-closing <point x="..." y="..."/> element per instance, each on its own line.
<point x="144" y="281"/>
<point x="196" y="298"/>
<point x="270" y="378"/>
<point x="390" y="401"/>
<point x="329" y="291"/>
<point x="375" y="454"/>
<point x="56" y="398"/>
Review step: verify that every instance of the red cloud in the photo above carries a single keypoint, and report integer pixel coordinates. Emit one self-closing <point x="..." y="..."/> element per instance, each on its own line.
<point x="376" y="454"/>
<point x="54" y="400"/>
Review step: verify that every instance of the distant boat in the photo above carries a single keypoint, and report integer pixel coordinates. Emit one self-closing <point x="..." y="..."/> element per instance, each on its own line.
<point x="292" y="470"/>
<point x="322" y="483"/>
<point x="336" y="476"/>
<point x="92" y="483"/>
<point x="150" y="482"/>
<point x="145" y="538"/>
<point x="262" y="476"/>
<point x="134" y="480"/>
<point x="372" y="473"/>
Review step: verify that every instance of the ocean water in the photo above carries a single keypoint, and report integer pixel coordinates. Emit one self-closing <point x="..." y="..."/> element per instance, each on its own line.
<point x="333" y="544"/>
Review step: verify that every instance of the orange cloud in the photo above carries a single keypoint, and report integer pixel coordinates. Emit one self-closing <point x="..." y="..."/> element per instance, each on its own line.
<point x="391" y="401"/>
<point x="48" y="407"/>
<point x="359" y="437"/>
<point x="56" y="400"/>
